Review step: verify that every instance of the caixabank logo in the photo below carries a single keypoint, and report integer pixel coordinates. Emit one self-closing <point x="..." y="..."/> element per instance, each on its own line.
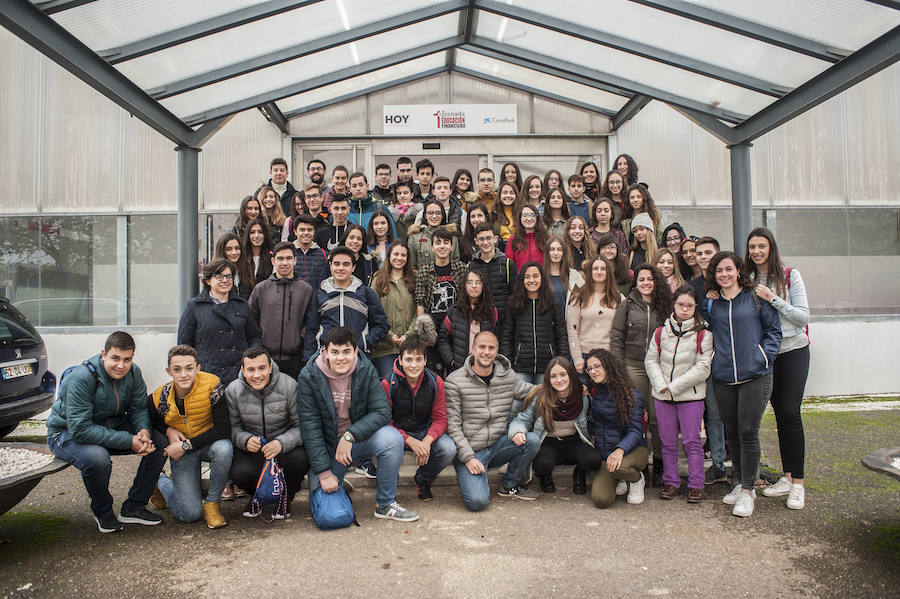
<point x="450" y="119"/>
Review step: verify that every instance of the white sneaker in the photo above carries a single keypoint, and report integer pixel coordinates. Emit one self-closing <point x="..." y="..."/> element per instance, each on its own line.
<point x="732" y="497"/>
<point x="621" y="488"/>
<point x="744" y="505"/>
<point x="779" y="489"/>
<point x="796" y="497"/>
<point x="636" y="491"/>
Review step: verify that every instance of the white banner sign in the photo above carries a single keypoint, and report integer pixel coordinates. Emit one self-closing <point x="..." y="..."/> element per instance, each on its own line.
<point x="450" y="119"/>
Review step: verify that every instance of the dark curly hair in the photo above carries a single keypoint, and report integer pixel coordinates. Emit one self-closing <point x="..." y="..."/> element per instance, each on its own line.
<point x="518" y="296"/>
<point x="709" y="278"/>
<point x="484" y="305"/>
<point x="661" y="303"/>
<point x="621" y="391"/>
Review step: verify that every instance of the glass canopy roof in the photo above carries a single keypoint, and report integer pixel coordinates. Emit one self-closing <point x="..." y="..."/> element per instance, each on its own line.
<point x="728" y="61"/>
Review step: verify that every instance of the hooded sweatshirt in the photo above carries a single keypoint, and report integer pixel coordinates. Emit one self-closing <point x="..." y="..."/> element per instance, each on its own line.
<point x="340" y="390"/>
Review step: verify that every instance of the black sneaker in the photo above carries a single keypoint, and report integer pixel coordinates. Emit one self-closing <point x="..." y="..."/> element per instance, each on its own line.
<point x="139" y="516"/>
<point x="519" y="492"/>
<point x="714" y="474"/>
<point x="107" y="522"/>
<point x="424" y="487"/>
<point x="367" y="470"/>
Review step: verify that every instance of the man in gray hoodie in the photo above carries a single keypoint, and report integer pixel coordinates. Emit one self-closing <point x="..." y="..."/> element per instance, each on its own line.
<point x="483" y="397"/>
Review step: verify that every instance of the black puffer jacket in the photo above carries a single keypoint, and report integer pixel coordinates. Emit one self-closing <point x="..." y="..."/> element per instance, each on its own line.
<point x="453" y="336"/>
<point x="632" y="329"/>
<point x="499" y="274"/>
<point x="219" y="332"/>
<point x="529" y="338"/>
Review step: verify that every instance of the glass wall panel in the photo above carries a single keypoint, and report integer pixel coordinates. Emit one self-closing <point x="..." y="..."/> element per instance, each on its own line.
<point x="153" y="269"/>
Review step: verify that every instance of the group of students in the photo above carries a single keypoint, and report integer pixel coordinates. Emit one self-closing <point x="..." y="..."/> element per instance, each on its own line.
<point x="416" y="325"/>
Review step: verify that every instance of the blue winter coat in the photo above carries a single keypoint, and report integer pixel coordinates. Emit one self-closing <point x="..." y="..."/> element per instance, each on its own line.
<point x="361" y="212"/>
<point x="356" y="307"/>
<point x="746" y="337"/>
<point x="609" y="434"/>
<point x="219" y="332"/>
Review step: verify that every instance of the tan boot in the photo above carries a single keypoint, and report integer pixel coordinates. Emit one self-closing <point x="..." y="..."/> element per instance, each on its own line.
<point x="214" y="517"/>
<point x="157" y="500"/>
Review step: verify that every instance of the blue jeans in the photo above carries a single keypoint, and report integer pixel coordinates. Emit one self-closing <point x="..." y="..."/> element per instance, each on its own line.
<point x="715" y="430"/>
<point x="96" y="466"/>
<point x="476" y="493"/>
<point x="384" y="365"/>
<point x="534" y="379"/>
<point x="443" y="450"/>
<point x="184" y="494"/>
<point x="387" y="446"/>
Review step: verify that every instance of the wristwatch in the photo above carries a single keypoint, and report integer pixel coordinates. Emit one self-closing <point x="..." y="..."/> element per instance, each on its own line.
<point x="185" y="446"/>
<point x="348" y="437"/>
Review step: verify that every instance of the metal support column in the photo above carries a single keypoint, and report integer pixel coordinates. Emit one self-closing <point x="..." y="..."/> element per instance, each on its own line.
<point x="188" y="224"/>
<point x="741" y="194"/>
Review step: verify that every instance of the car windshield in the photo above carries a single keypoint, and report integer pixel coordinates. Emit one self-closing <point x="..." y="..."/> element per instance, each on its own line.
<point x="15" y="328"/>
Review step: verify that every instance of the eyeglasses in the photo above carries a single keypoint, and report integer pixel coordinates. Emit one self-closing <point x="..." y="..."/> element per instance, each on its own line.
<point x="312" y="195"/>
<point x="593" y="368"/>
<point x="529" y="216"/>
<point x="484" y="240"/>
<point x="609" y="246"/>
<point x="685" y="306"/>
<point x="673" y="240"/>
<point x="220" y="277"/>
<point x="474" y="283"/>
<point x="432" y="213"/>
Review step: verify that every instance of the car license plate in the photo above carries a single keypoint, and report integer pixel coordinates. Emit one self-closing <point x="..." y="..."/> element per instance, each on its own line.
<point x="12" y="372"/>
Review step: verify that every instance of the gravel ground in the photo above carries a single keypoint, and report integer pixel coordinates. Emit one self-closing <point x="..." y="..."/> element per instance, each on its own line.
<point x="845" y="543"/>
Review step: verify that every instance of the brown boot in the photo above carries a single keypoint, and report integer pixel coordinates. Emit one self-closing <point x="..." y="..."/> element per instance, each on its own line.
<point x="214" y="517"/>
<point x="157" y="500"/>
<point x="696" y="495"/>
<point x="668" y="492"/>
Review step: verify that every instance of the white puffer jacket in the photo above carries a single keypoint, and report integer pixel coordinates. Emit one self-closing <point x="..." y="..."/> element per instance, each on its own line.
<point x="675" y="364"/>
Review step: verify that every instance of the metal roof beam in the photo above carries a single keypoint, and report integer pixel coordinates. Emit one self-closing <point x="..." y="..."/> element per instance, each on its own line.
<point x="43" y="33"/>
<point x="888" y="3"/>
<point x="631" y="108"/>
<point x="865" y="62"/>
<point x="193" y="31"/>
<point x="366" y="91"/>
<point x="750" y="29"/>
<point x="590" y="77"/>
<point x="469" y="25"/>
<point x="54" y="6"/>
<point x="533" y="90"/>
<point x="711" y="125"/>
<point x="273" y="114"/>
<point x="323" y="80"/>
<point x="633" y="47"/>
<point x="204" y="132"/>
<point x="305" y="49"/>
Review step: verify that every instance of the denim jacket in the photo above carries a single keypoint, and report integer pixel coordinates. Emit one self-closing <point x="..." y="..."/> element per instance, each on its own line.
<point x="526" y="422"/>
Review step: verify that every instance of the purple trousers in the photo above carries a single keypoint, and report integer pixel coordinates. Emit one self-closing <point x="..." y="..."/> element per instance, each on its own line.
<point x="686" y="415"/>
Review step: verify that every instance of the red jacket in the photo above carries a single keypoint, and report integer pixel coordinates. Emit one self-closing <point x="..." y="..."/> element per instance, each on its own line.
<point x="407" y="399"/>
<point x="531" y="252"/>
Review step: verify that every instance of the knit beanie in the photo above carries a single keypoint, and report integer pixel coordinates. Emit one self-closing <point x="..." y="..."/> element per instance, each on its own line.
<point x="642" y="220"/>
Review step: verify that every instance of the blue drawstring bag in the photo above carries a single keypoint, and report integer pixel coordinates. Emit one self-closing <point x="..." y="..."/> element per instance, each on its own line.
<point x="270" y="488"/>
<point x="331" y="510"/>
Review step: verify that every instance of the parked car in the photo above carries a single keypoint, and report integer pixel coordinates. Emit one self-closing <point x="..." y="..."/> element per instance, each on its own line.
<point x="27" y="387"/>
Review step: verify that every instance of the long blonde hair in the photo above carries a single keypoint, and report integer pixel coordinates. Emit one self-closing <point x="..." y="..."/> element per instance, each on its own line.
<point x="679" y="280"/>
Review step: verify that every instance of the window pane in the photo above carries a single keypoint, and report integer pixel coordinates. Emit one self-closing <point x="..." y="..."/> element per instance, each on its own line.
<point x="153" y="269"/>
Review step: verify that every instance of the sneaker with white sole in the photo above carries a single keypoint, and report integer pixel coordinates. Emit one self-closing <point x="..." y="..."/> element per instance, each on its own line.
<point x="743" y="507"/>
<point x="636" y="491"/>
<point x="139" y="515"/>
<point x="519" y="492"/>
<point x="108" y="522"/>
<point x="796" y="497"/>
<point x="621" y="488"/>
<point x="779" y="489"/>
<point x="395" y="511"/>
<point x="732" y="497"/>
<point x="367" y="470"/>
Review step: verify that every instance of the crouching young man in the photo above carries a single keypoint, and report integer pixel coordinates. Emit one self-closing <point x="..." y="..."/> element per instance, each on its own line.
<point x="102" y="411"/>
<point x="345" y="416"/>
<point x="419" y="413"/>
<point x="483" y="397"/>
<point x="262" y="404"/>
<point x="192" y="412"/>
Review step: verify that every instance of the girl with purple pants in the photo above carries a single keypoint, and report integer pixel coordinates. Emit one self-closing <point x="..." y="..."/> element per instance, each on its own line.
<point x="677" y="364"/>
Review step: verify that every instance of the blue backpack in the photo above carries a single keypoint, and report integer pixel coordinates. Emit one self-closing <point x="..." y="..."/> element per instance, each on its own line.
<point x="331" y="510"/>
<point x="270" y="488"/>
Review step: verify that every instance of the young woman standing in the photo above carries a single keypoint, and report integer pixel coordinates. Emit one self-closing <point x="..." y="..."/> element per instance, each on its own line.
<point x="614" y="189"/>
<point x="271" y="207"/>
<point x="477" y="214"/>
<point x="617" y="410"/>
<point x="508" y="205"/>
<point x="579" y="246"/>
<point x="591" y="175"/>
<point x="461" y="188"/>
<point x="665" y="262"/>
<point x="746" y="338"/>
<point x="379" y="235"/>
<point x="229" y="248"/>
<point x="395" y="283"/>
<point x="556" y="213"/>
<point x="552" y="180"/>
<point x="783" y="288"/>
<point x="419" y="240"/>
<point x="510" y="172"/>
<point x="557" y="412"/>
<point x="258" y="248"/>
<point x="250" y="209"/>
<point x="534" y="330"/>
<point x="627" y="167"/>
<point x="591" y="309"/>
<point x="298" y="207"/>
<point x="687" y="259"/>
<point x="640" y="201"/>
<point x="529" y="239"/>
<point x="366" y="264"/>
<point x="533" y="191"/>
<point x="677" y="364"/>
<point x="643" y="248"/>
<point x="472" y="313"/>
<point x="648" y="305"/>
<point x="563" y="277"/>
<point x="602" y="223"/>
<point x="608" y="247"/>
